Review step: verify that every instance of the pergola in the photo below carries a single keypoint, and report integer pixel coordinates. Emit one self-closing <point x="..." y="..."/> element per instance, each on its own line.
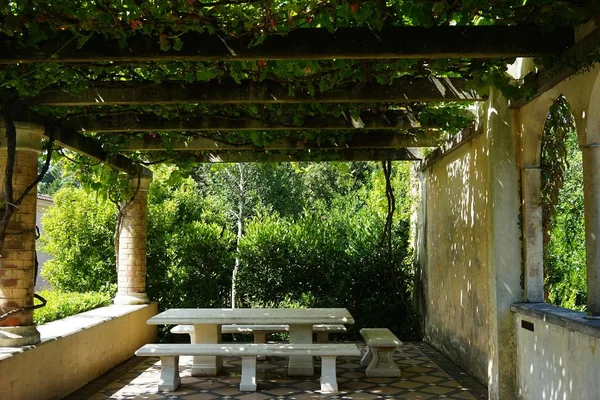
<point x="240" y="98"/>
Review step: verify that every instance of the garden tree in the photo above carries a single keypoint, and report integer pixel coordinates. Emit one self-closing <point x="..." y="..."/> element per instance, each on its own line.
<point x="56" y="177"/>
<point x="79" y="229"/>
<point x="241" y="190"/>
<point x="332" y="253"/>
<point x="563" y="214"/>
<point x="189" y="261"/>
<point x="108" y="183"/>
<point x="72" y="48"/>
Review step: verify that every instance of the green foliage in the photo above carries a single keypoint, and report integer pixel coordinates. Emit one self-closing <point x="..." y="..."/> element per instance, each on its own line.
<point x="187" y="258"/>
<point x="64" y="304"/>
<point x="562" y="199"/>
<point x="66" y="23"/>
<point x="79" y="230"/>
<point x="189" y="261"/>
<point x="56" y="178"/>
<point x="312" y="238"/>
<point x="331" y="256"/>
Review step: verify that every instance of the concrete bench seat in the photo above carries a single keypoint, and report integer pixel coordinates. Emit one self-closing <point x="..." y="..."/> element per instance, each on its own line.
<point x="260" y="331"/>
<point x="169" y="359"/>
<point x="379" y="358"/>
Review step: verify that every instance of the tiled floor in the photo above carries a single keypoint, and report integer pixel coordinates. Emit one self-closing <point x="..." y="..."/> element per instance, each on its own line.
<point x="425" y="375"/>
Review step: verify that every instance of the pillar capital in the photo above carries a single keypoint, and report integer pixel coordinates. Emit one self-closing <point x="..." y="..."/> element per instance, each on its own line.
<point x="140" y="183"/>
<point x="29" y="136"/>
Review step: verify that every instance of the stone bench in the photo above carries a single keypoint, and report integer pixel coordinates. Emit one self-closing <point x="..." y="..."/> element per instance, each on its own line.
<point x="260" y="331"/>
<point x="379" y="358"/>
<point x="169" y="359"/>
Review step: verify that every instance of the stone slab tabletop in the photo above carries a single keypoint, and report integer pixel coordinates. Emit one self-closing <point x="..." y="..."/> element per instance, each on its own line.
<point x="222" y="316"/>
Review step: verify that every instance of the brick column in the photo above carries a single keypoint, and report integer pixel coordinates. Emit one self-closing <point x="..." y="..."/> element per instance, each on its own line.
<point x="132" y="247"/>
<point x="17" y="264"/>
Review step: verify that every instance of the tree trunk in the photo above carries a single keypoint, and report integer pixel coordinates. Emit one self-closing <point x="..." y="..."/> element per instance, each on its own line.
<point x="240" y="230"/>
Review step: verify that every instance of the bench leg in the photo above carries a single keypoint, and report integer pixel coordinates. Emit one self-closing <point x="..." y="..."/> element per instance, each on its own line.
<point x="382" y="364"/>
<point x="260" y="337"/>
<point x="248" y="381"/>
<point x="328" y="375"/>
<point x="206" y="365"/>
<point x="367" y="357"/>
<point x="169" y="374"/>
<point x="322" y="337"/>
<point x="301" y="365"/>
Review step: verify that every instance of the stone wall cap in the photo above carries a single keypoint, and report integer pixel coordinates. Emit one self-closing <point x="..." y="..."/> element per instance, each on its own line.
<point x="58" y="329"/>
<point x="570" y="319"/>
<point x="45" y="197"/>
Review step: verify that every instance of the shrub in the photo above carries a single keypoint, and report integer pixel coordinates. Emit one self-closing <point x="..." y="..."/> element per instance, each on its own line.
<point x="79" y="230"/>
<point x="331" y="258"/>
<point x="64" y="304"/>
<point x="189" y="261"/>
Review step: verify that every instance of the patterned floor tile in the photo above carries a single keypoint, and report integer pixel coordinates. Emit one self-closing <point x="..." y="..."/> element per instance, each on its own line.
<point x="422" y="379"/>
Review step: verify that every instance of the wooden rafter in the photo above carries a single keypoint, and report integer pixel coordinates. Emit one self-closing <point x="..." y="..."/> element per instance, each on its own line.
<point x="395" y="120"/>
<point x="315" y="156"/>
<point x="370" y="140"/>
<point x="74" y="141"/>
<point x="123" y="93"/>
<point x="349" y="43"/>
<point x="572" y="60"/>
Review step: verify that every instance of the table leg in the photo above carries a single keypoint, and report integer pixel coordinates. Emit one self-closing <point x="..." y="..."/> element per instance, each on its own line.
<point x="206" y="365"/>
<point x="301" y="365"/>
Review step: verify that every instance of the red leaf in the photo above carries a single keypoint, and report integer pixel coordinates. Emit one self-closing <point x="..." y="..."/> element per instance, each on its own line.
<point x="354" y="7"/>
<point x="134" y="24"/>
<point x="261" y="63"/>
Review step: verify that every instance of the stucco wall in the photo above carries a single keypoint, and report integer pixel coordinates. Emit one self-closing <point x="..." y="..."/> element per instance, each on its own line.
<point x="556" y="361"/>
<point x="75" y="351"/>
<point x="43" y="202"/>
<point x="456" y="271"/>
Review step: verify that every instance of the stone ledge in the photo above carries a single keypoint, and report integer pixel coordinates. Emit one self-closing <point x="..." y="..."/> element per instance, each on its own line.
<point x="74" y="351"/>
<point x="71" y="325"/>
<point x="569" y="319"/>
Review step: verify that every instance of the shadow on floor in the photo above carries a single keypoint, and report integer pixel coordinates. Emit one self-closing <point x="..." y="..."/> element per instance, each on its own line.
<point x="426" y="374"/>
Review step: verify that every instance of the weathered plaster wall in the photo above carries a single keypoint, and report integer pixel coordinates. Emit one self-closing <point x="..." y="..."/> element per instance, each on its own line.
<point x="456" y="271"/>
<point x="556" y="362"/>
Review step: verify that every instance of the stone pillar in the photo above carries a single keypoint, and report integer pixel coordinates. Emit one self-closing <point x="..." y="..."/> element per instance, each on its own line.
<point x="17" y="264"/>
<point x="591" y="192"/>
<point x="504" y="246"/>
<point x="132" y="246"/>
<point x="533" y="234"/>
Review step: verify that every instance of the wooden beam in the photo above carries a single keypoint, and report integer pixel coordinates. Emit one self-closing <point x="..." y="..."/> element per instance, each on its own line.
<point x="396" y="120"/>
<point x="370" y="140"/>
<point x="576" y="58"/>
<point x="307" y="43"/>
<point x="74" y="141"/>
<point x="124" y="93"/>
<point x="314" y="156"/>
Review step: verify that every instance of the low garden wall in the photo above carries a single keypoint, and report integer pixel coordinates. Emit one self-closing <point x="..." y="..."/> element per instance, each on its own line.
<point x="557" y="353"/>
<point x="75" y="351"/>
